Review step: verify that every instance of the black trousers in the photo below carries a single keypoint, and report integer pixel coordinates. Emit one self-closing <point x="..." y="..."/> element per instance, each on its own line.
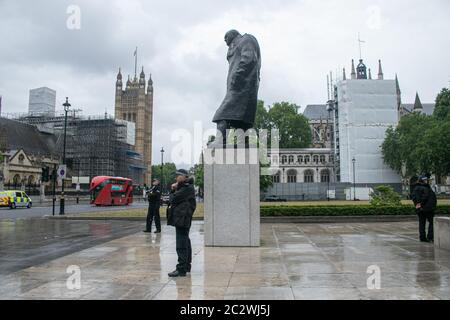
<point x="423" y="218"/>
<point x="184" y="249"/>
<point x="153" y="214"/>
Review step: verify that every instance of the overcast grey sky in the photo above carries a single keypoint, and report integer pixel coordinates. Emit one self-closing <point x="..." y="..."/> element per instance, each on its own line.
<point x="181" y="43"/>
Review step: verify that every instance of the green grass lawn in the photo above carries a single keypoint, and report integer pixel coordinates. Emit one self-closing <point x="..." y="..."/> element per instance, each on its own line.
<point x="135" y="213"/>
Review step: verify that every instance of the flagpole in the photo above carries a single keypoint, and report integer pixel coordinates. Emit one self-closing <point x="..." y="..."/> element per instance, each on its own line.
<point x="135" y="63"/>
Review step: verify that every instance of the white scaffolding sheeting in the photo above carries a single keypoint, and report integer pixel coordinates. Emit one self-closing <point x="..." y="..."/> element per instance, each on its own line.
<point x="367" y="108"/>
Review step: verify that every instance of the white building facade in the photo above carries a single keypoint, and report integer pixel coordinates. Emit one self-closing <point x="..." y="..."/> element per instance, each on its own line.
<point x="365" y="110"/>
<point x="42" y="102"/>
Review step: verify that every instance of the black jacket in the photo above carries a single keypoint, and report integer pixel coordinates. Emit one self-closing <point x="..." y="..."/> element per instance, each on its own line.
<point x="154" y="195"/>
<point x="182" y="205"/>
<point x="424" y="195"/>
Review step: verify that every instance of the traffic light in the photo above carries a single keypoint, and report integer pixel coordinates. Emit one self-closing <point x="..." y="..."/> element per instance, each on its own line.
<point x="45" y="174"/>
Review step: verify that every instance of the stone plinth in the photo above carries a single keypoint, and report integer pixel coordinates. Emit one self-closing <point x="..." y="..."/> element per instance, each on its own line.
<point x="232" y="198"/>
<point x="442" y="233"/>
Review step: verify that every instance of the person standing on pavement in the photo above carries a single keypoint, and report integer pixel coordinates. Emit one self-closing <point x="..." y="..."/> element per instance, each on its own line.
<point x="154" y="202"/>
<point x="182" y="205"/>
<point x="425" y="201"/>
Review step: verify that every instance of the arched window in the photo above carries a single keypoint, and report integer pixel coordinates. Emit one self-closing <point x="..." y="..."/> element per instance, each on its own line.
<point x="300" y="159"/>
<point x="284" y="159"/>
<point x="331" y="158"/>
<point x="16" y="180"/>
<point x="307" y="159"/>
<point x="309" y="176"/>
<point x="292" y="176"/>
<point x="21" y="158"/>
<point x="316" y="159"/>
<point x="30" y="180"/>
<point x="276" y="178"/>
<point x="291" y="159"/>
<point x="322" y="159"/>
<point x="325" y="176"/>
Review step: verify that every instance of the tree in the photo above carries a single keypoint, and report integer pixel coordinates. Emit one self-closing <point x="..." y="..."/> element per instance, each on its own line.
<point x="390" y="149"/>
<point x="420" y="143"/>
<point x="262" y="116"/>
<point x="197" y="172"/>
<point x="405" y="146"/>
<point x="169" y="173"/>
<point x="442" y="109"/>
<point x="294" y="129"/>
<point x="265" y="181"/>
<point x="436" y="140"/>
<point x="385" y="196"/>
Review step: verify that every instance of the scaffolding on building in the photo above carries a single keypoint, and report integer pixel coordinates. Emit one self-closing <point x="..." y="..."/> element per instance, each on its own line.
<point x="96" y="145"/>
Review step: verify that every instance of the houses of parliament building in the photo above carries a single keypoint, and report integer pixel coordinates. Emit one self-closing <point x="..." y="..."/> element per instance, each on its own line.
<point x="134" y="103"/>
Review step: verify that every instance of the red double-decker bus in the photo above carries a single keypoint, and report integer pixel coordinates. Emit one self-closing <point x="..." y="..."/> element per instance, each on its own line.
<point x="111" y="191"/>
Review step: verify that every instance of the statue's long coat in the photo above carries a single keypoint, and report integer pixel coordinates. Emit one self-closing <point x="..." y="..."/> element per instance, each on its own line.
<point x="244" y="57"/>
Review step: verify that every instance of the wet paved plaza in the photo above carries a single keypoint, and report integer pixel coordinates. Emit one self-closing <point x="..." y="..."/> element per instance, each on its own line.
<point x="307" y="261"/>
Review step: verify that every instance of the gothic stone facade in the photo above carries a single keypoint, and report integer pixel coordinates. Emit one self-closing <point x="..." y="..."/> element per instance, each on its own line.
<point x="135" y="104"/>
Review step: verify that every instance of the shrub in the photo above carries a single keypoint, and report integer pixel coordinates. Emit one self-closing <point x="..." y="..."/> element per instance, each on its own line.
<point x="336" y="211"/>
<point x="385" y="196"/>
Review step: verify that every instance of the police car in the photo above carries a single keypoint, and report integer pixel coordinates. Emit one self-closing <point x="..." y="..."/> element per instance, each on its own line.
<point x="15" y="199"/>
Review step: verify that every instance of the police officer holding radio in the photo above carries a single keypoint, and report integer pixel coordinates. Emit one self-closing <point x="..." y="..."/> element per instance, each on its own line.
<point x="154" y="202"/>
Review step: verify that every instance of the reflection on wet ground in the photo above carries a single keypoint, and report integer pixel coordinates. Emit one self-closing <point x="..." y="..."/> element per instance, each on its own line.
<point x="308" y="261"/>
<point x="28" y="242"/>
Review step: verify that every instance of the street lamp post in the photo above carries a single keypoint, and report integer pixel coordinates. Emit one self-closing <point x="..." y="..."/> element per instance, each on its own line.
<point x="66" y="106"/>
<point x="328" y="183"/>
<point x="354" y="179"/>
<point x="162" y="169"/>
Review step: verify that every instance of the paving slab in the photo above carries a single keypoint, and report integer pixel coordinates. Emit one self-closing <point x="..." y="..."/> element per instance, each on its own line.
<point x="299" y="261"/>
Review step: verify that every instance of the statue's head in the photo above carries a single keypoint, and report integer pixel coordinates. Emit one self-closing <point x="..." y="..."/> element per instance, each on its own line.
<point x="230" y="36"/>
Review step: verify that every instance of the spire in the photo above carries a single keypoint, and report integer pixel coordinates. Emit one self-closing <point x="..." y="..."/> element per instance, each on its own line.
<point x="142" y="79"/>
<point x="344" y="75"/>
<point x="399" y="92"/>
<point x="353" y="70"/>
<point x="135" y="63"/>
<point x="119" y="80"/>
<point x="380" y="71"/>
<point x="128" y="82"/>
<point x="150" y="81"/>
<point x="150" y="84"/>
<point x="418" y="104"/>
<point x="397" y="84"/>
<point x="370" y="74"/>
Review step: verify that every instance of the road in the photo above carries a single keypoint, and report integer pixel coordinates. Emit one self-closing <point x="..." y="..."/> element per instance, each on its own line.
<point x="39" y="212"/>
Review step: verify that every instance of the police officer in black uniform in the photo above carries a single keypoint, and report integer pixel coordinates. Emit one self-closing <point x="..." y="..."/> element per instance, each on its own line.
<point x="181" y="209"/>
<point x="154" y="202"/>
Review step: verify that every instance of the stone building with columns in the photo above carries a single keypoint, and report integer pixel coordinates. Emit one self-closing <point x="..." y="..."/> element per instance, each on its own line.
<point x="302" y="165"/>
